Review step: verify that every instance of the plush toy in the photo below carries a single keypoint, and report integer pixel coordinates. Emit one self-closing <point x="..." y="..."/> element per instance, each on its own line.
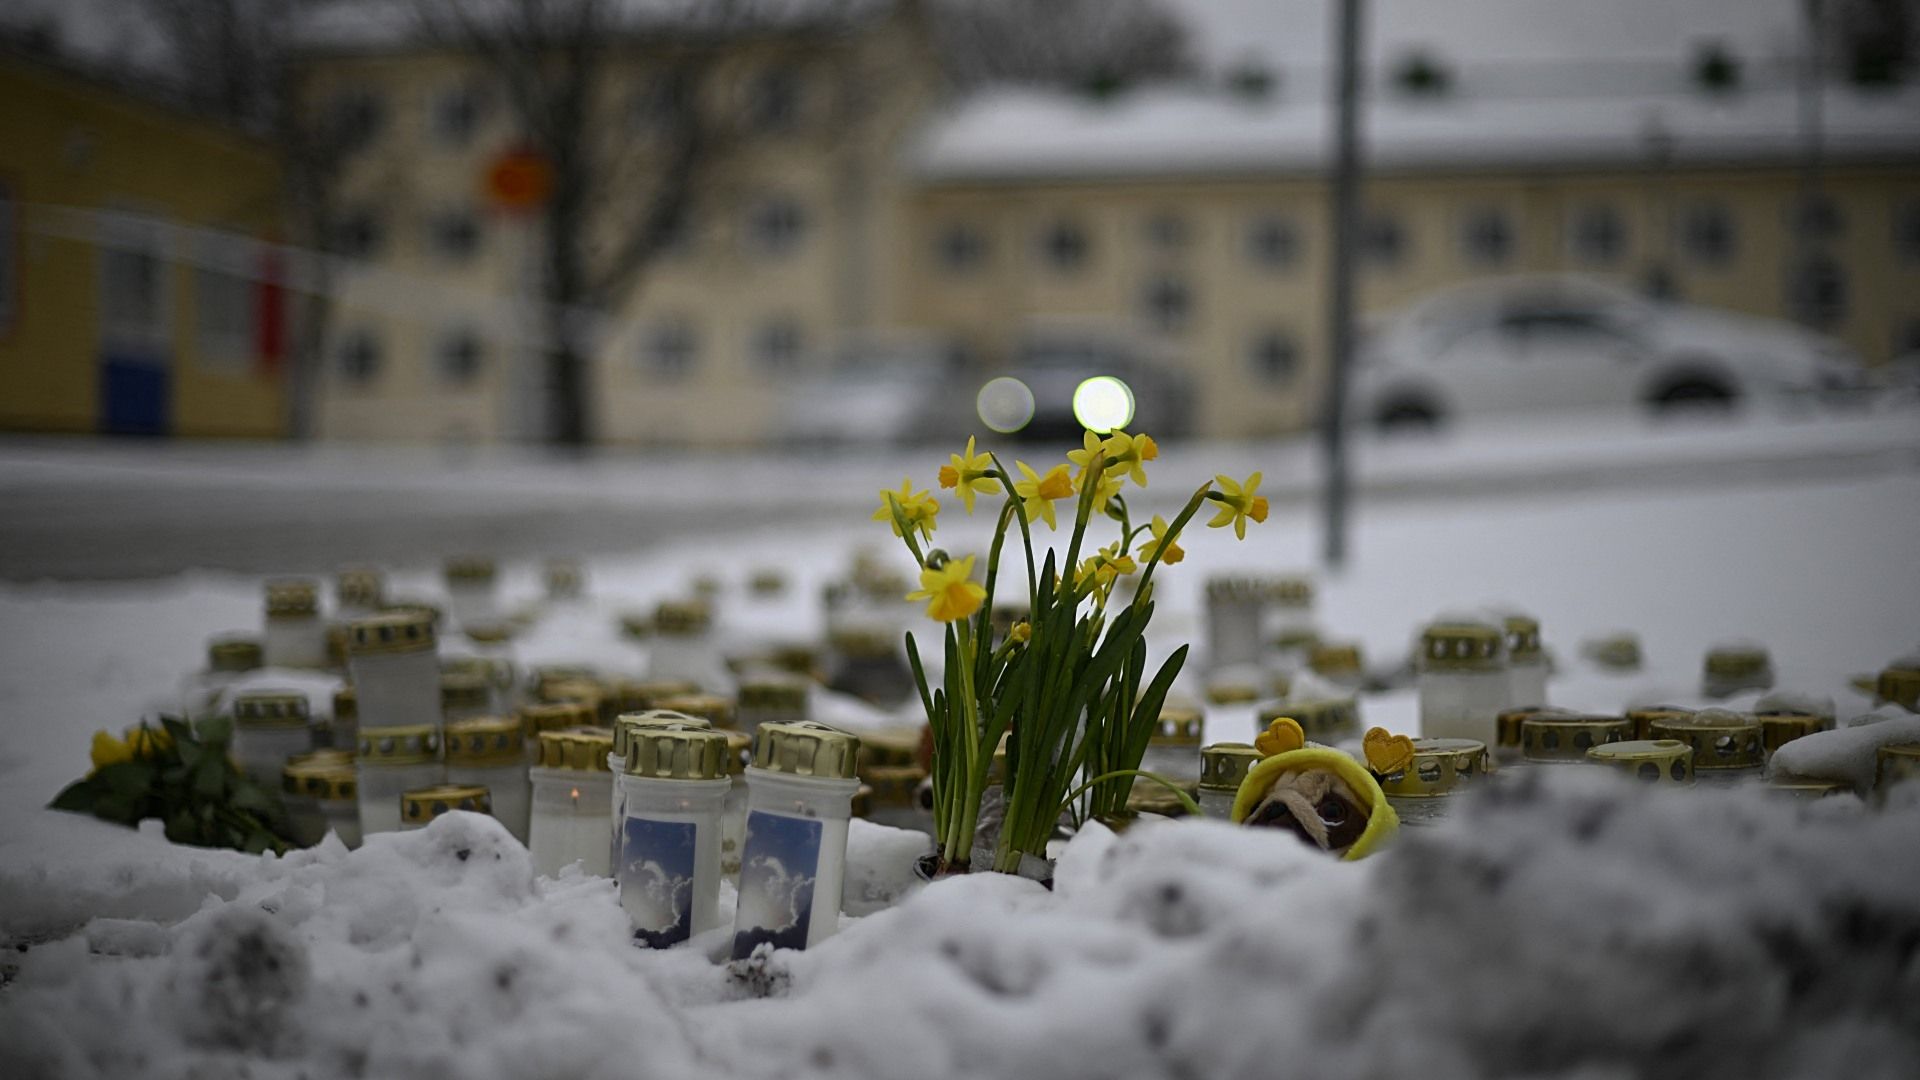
<point x="1322" y="795"/>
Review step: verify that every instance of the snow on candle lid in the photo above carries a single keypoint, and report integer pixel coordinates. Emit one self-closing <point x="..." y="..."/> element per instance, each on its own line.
<point x="1179" y="725"/>
<point x="1557" y="738"/>
<point x="233" y="652"/>
<point x="359" y="586"/>
<point x="270" y="708"/>
<point x="1667" y="761"/>
<point x="394" y="632"/>
<point x="1721" y="738"/>
<point x="711" y="707"/>
<point x="292" y="597"/>
<point x="422" y="805"/>
<point x="1224" y="765"/>
<point x="670" y="751"/>
<point x="485" y="740"/>
<point x="1898" y="763"/>
<point x="1462" y="646"/>
<point x="806" y="748"/>
<point x="1438" y="767"/>
<point x="405" y="745"/>
<point x="1899" y="685"/>
<point x="468" y="569"/>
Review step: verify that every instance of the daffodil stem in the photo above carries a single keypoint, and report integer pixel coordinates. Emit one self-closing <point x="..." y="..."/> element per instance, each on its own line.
<point x="967" y="815"/>
<point x="1167" y="538"/>
<point x="1186" y="801"/>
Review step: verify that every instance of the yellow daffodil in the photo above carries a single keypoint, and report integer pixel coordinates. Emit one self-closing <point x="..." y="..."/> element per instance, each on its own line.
<point x="1089" y="452"/>
<point x="146" y="741"/>
<point x="968" y="474"/>
<point x="918" y="508"/>
<point x="1103" y="567"/>
<point x="1128" y="453"/>
<point x="107" y="750"/>
<point x="1037" y="493"/>
<point x="1169" y="551"/>
<point x="1021" y="632"/>
<point x="1238" y="503"/>
<point x="950" y="591"/>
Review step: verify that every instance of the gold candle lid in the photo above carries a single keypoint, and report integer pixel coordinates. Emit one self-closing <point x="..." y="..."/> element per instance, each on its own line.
<point x="682" y="618"/>
<point x="359" y="586"/>
<point x="1895" y="764"/>
<point x="1721" y="738"/>
<point x="485" y="740"/>
<point x="1462" y="647"/>
<point x="469" y="569"/>
<point x="739" y="751"/>
<point x="639" y="695"/>
<point x="1286" y="590"/>
<point x="464" y="690"/>
<point x="624" y="724"/>
<point x="1556" y="739"/>
<point x="558" y="715"/>
<point x="1737" y="661"/>
<point x="861" y="643"/>
<point x="712" y="707"/>
<point x="411" y="606"/>
<point x="1333" y="659"/>
<point x="806" y="748"/>
<point x="1643" y="717"/>
<point x="488" y="633"/>
<point x="565" y="577"/>
<point x="422" y="805"/>
<point x="1667" y="761"/>
<point x="346" y="704"/>
<point x="292" y="597"/>
<point x="894" y="785"/>
<point x="270" y="709"/>
<point x="582" y="749"/>
<point x="1438" y="767"/>
<point x="889" y="748"/>
<point x="1616" y="652"/>
<point x="1506" y="729"/>
<point x="1179" y="725"/>
<point x="1523" y="638"/>
<point x="1224" y="765"/>
<point x="773" y="690"/>
<point x="1232" y="691"/>
<point x="767" y="581"/>
<point x="233" y="652"/>
<point x="1321" y="720"/>
<point x="1899" y="685"/>
<point x="411" y="744"/>
<point x="1777" y="729"/>
<point x="674" y="751"/>
<point x="323" y="774"/>
<point x="636" y="625"/>
<point x="1801" y="788"/>
<point x="395" y="632"/>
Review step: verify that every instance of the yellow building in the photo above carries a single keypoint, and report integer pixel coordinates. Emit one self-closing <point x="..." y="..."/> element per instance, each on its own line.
<point x="134" y="295"/>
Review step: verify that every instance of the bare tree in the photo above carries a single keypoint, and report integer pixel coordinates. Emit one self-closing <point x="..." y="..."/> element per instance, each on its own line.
<point x="1097" y="46"/>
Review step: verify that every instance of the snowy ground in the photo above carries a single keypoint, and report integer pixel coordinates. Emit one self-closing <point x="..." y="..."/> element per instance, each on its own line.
<point x="1571" y="929"/>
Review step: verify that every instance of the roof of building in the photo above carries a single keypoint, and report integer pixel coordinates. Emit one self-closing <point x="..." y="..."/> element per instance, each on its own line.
<point x="1027" y="135"/>
<point x="349" y="26"/>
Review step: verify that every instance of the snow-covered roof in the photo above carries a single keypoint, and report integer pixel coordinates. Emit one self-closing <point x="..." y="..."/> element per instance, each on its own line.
<point x="1005" y="135"/>
<point x="380" y="25"/>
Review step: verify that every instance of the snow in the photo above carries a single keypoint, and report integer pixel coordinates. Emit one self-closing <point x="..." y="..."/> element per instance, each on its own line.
<point x="1561" y="925"/>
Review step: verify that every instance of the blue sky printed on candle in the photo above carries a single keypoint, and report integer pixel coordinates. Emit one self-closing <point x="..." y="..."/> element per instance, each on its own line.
<point x="776" y="883"/>
<point x="656" y="880"/>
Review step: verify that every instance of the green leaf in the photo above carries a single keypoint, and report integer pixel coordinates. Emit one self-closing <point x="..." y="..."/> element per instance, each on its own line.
<point x="210" y="776"/>
<point x="78" y="795"/>
<point x="127" y="779"/>
<point x="215" y="733"/>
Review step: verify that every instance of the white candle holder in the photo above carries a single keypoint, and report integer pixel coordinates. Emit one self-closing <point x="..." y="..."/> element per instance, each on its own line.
<point x="572" y="796"/>
<point x="490" y="752"/>
<point x="1526" y="663"/>
<point x="318" y="789"/>
<point x="395" y="670"/>
<point x="296" y="636"/>
<point x="1463" y="681"/>
<point x="1222" y="767"/>
<point x="269" y="727"/>
<point x="391" y="762"/>
<point x="800" y="796"/>
<point x="673" y="791"/>
<point x="470" y="589"/>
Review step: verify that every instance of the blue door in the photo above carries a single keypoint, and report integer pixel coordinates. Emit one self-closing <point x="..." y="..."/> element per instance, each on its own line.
<point x="133" y="393"/>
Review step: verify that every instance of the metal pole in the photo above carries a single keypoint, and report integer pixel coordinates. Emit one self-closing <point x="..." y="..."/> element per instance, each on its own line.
<point x="1346" y="229"/>
<point x="1808" y="240"/>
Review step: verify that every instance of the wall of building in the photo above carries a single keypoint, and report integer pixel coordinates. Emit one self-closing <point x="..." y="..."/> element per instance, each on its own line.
<point x="71" y="149"/>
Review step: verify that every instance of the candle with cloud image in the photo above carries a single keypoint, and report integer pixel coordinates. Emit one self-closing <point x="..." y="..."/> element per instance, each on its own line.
<point x="800" y="795"/>
<point x="673" y="789"/>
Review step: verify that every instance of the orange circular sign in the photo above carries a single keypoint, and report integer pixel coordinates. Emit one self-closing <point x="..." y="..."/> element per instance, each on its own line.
<point x="519" y="180"/>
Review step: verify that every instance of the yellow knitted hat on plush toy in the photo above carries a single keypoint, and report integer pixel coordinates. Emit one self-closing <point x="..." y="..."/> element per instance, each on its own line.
<point x="1286" y="750"/>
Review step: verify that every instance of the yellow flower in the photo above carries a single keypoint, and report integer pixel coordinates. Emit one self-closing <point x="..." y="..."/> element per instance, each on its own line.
<point x="1089" y="452"/>
<point x="1169" y="551"/>
<point x="1037" y="493"/>
<point x="1021" y="632"/>
<point x="108" y="750"/>
<point x="968" y="472"/>
<point x="918" y="508"/>
<point x="1128" y="453"/>
<point x="1238" y="503"/>
<point x="949" y="591"/>
<point x="1103" y="567"/>
<point x="147" y="741"/>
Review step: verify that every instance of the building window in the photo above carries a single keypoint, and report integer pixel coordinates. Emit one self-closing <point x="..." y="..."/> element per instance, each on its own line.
<point x="357" y="119"/>
<point x="133" y="309"/>
<point x="1597" y="235"/>
<point x="776" y="346"/>
<point x="1065" y="246"/>
<point x="1486" y="237"/>
<point x="1168" y="304"/>
<point x="671" y="349"/>
<point x="1273" y="242"/>
<point x="459" y="357"/>
<point x="1383" y="240"/>
<point x="357" y="234"/>
<point x="773" y="101"/>
<point x="1707" y="234"/>
<point x="1274" y="356"/>
<point x="1168" y="231"/>
<point x="360" y="357"/>
<point x="456" y="114"/>
<point x="1817" y="293"/>
<point x="774" y="225"/>
<point x="1815" y="217"/>
<point x="1906" y="232"/>
<point x="454" y="235"/>
<point x="960" y="248"/>
<point x="661" y="101"/>
<point x="224" y="310"/>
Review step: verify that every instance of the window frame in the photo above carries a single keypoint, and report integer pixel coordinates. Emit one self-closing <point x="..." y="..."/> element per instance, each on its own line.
<point x="1168" y="321"/>
<point x="1285" y="258"/>
<point x="687" y="348"/>
<point x="1470" y="236"/>
<point x="781" y="244"/>
<point x="356" y="339"/>
<point x="1060" y="227"/>
<point x="1262" y="371"/>
<point x="1578" y="234"/>
<point x="1696" y="212"/>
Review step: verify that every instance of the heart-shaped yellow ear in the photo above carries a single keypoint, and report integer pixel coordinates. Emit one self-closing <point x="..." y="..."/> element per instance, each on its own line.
<point x="1387" y="753"/>
<point x="1282" y="735"/>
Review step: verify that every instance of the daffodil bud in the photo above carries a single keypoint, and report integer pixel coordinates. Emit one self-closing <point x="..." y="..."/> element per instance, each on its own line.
<point x="937" y="558"/>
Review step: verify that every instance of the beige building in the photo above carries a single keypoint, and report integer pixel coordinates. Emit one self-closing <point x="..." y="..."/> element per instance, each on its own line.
<point x="1192" y="223"/>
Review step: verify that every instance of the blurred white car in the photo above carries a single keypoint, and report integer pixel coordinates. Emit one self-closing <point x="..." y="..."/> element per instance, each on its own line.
<point x="1566" y="343"/>
<point x="887" y="390"/>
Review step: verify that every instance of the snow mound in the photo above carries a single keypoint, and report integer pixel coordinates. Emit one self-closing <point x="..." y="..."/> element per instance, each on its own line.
<point x="1847" y="753"/>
